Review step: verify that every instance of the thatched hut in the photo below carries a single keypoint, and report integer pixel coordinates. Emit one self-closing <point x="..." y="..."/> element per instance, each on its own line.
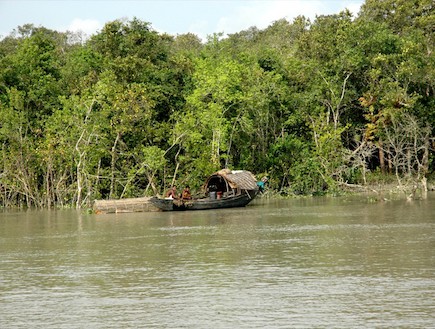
<point x="228" y="182"/>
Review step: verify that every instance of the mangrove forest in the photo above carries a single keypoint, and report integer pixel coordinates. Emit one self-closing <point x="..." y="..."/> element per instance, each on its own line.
<point x="317" y="106"/>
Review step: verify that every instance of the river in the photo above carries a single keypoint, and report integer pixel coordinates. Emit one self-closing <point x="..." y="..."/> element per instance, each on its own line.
<point x="347" y="262"/>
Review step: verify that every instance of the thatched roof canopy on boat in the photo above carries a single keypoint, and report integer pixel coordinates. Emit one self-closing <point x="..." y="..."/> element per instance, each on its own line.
<point x="235" y="179"/>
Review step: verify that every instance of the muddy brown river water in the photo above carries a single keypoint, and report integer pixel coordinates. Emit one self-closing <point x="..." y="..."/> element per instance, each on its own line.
<point x="342" y="262"/>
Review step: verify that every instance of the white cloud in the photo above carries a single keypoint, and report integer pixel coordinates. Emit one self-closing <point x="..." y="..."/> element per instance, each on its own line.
<point x="354" y="7"/>
<point x="87" y="26"/>
<point x="262" y="13"/>
<point x="198" y="28"/>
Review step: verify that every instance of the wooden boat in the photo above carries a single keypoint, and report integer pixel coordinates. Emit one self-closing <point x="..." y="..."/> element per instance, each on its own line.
<point x="223" y="189"/>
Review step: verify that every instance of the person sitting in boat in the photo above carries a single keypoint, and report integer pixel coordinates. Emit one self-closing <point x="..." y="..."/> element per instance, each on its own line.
<point x="185" y="195"/>
<point x="171" y="193"/>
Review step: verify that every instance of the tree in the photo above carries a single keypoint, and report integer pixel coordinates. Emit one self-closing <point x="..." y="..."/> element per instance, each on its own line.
<point x="203" y="125"/>
<point x="74" y="148"/>
<point x="400" y="15"/>
<point x="408" y="148"/>
<point x="19" y="168"/>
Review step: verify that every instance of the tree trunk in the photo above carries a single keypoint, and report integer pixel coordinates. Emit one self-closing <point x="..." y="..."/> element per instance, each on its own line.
<point x="112" y="166"/>
<point x="381" y="156"/>
<point x="425" y="168"/>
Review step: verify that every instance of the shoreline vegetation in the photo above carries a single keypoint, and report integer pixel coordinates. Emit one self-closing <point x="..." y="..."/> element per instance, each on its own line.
<point x="379" y="191"/>
<point x="339" y="104"/>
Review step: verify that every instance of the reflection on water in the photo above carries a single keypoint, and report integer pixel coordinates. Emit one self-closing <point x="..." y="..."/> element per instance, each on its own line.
<point x="342" y="262"/>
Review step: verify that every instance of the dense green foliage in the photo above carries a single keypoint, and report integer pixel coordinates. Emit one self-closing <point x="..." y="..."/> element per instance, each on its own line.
<point x="314" y="105"/>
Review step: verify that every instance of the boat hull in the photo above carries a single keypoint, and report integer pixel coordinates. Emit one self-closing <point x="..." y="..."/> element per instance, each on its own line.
<point x="240" y="200"/>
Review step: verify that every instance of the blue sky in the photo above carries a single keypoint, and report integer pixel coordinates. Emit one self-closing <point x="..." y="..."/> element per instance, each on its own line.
<point x="202" y="17"/>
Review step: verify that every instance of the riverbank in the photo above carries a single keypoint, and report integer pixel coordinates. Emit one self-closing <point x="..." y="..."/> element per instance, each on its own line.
<point x="387" y="190"/>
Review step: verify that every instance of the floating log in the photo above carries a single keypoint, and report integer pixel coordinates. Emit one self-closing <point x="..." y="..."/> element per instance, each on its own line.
<point x="123" y="206"/>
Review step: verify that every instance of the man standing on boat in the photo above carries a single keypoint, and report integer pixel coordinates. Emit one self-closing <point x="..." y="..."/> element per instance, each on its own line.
<point x="261" y="184"/>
